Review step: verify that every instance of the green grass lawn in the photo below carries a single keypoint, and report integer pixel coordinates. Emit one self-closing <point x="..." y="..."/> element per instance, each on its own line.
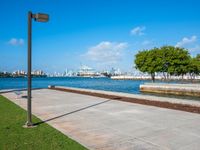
<point x="14" y="136"/>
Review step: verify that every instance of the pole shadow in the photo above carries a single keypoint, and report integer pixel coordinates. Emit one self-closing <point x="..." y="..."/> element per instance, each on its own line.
<point x="66" y="114"/>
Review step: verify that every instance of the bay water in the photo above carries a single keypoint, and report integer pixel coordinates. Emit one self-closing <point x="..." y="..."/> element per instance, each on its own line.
<point x="107" y="84"/>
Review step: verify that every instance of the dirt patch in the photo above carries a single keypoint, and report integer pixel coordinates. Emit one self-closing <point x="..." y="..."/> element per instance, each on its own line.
<point x="175" y="106"/>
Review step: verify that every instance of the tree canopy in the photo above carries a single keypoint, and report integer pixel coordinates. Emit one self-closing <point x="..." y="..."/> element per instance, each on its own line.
<point x="168" y="60"/>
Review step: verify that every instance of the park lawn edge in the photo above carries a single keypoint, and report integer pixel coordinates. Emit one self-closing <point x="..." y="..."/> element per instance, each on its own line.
<point x="14" y="136"/>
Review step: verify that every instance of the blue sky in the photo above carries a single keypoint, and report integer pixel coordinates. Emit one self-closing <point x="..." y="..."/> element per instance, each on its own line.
<point x="98" y="33"/>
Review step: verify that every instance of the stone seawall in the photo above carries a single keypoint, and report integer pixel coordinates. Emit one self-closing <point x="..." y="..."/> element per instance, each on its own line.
<point x="125" y="77"/>
<point x="175" y="89"/>
<point x="188" y="105"/>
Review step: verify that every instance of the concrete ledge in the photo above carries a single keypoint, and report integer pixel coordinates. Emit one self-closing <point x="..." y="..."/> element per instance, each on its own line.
<point x="164" y="102"/>
<point x="175" y="89"/>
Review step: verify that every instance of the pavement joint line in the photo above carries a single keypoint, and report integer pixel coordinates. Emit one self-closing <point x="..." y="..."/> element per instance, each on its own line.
<point x="141" y="139"/>
<point x="176" y="129"/>
<point x="147" y="141"/>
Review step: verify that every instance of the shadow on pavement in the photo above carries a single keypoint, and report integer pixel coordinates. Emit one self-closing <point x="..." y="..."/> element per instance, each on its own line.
<point x="78" y="110"/>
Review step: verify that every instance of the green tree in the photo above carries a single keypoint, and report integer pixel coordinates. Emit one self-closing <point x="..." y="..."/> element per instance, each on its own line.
<point x="149" y="61"/>
<point x="198" y="57"/>
<point x="175" y="60"/>
<point x="168" y="56"/>
<point x="194" y="66"/>
<point x="181" y="61"/>
<point x="168" y="60"/>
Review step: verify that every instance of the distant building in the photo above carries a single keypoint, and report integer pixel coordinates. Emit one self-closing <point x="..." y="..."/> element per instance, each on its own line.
<point x="115" y="72"/>
<point x="86" y="71"/>
<point x="69" y="73"/>
<point x="38" y="73"/>
<point x="19" y="73"/>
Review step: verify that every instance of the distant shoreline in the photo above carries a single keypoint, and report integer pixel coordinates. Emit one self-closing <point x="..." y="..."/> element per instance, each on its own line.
<point x="156" y="79"/>
<point x="120" y="78"/>
<point x="34" y="76"/>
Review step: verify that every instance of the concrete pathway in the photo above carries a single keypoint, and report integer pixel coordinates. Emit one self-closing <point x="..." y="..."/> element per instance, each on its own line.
<point x="100" y="123"/>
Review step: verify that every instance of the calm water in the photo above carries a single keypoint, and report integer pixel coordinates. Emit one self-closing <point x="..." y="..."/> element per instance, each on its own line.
<point x="127" y="86"/>
<point x="107" y="84"/>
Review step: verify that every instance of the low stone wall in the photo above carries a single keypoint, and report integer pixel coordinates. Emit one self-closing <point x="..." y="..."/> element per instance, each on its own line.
<point x="125" y="77"/>
<point x="164" y="102"/>
<point x="175" y="89"/>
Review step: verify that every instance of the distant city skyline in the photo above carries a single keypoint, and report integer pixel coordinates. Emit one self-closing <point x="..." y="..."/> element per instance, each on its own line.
<point x="75" y="70"/>
<point x="101" y="34"/>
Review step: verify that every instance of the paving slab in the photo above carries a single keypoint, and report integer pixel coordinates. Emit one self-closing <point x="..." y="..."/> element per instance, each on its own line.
<point x="105" y="124"/>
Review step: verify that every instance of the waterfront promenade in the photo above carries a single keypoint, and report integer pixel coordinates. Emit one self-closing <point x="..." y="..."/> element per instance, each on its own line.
<point x="102" y="123"/>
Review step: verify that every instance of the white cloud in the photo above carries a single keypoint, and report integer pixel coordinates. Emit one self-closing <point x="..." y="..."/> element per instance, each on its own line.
<point x="146" y="42"/>
<point x="195" y="48"/>
<point x="138" y="30"/>
<point x="106" y="52"/>
<point x="15" y="41"/>
<point x="21" y="41"/>
<point x="186" y="41"/>
<point x="190" y="44"/>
